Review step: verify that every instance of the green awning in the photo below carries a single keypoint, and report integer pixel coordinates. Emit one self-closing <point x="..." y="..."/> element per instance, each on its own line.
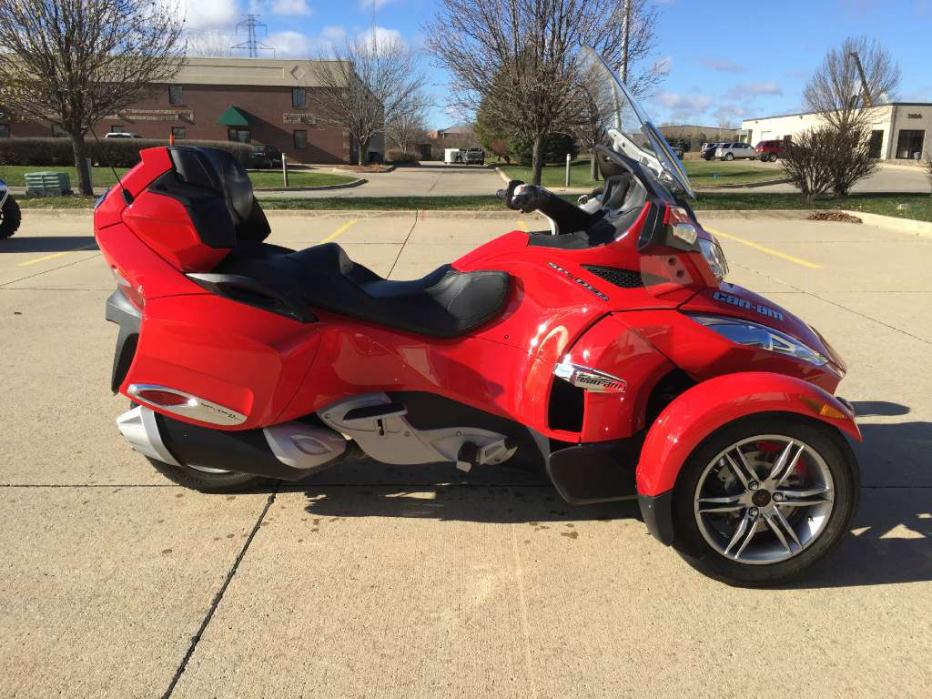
<point x="233" y="116"/>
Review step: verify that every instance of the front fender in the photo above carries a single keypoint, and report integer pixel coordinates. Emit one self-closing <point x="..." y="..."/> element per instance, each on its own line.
<point x="702" y="409"/>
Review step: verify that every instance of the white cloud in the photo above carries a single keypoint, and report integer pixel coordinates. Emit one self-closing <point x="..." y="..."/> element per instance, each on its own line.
<point x="290" y="7"/>
<point x="723" y="65"/>
<point x="290" y="44"/>
<point x="682" y="105"/>
<point x="206" y="14"/>
<point x="758" y="88"/>
<point x="369" y="5"/>
<point x="383" y="37"/>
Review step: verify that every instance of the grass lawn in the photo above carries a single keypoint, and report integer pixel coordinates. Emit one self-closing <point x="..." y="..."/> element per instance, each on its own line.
<point x="713" y="173"/>
<point x="103" y="176"/>
<point x="451" y="203"/>
<point x="915" y="206"/>
<point x="702" y="173"/>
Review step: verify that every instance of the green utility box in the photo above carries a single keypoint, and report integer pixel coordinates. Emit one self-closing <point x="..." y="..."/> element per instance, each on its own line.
<point x="47" y="184"/>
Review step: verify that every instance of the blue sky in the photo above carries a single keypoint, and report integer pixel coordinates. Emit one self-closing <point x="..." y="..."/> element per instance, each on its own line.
<point x="727" y="60"/>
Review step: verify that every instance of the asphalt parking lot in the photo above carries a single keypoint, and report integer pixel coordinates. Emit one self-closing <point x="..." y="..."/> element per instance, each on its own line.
<point x="376" y="581"/>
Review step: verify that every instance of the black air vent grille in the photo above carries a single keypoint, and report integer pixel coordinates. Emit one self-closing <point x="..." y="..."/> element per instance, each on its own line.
<point x="625" y="278"/>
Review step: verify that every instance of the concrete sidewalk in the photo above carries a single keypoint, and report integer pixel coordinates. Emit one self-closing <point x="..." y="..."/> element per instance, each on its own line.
<point x="422" y="582"/>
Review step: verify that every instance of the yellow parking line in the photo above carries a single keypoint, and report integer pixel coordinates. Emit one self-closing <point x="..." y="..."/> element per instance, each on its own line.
<point x="763" y="248"/>
<point x="37" y="260"/>
<point x="340" y="231"/>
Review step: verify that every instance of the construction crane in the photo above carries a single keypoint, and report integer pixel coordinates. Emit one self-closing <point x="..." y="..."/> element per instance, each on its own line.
<point x="868" y="100"/>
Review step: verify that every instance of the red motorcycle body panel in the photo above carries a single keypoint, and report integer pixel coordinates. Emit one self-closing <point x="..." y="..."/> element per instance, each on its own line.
<point x="704" y="408"/>
<point x="563" y="303"/>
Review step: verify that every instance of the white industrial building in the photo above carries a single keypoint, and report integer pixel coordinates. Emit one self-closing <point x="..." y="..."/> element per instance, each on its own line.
<point x="899" y="130"/>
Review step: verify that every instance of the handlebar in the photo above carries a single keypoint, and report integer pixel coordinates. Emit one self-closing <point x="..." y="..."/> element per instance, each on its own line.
<point x="530" y="197"/>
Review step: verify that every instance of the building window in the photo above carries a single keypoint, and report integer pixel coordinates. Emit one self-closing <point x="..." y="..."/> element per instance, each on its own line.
<point x="175" y="94"/>
<point x="909" y="144"/>
<point x="300" y="139"/>
<point x="117" y="128"/>
<point x="58" y="131"/>
<point x="298" y="98"/>
<point x="179" y="132"/>
<point x="4" y="130"/>
<point x="241" y="135"/>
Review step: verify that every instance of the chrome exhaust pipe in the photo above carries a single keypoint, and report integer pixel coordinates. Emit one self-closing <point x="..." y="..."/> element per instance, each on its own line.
<point x="289" y="451"/>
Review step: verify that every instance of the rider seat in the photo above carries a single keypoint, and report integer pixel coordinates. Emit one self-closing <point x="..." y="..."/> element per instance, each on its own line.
<point x="445" y="303"/>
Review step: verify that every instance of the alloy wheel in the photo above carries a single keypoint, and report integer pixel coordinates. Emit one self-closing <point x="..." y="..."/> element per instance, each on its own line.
<point x="764" y="499"/>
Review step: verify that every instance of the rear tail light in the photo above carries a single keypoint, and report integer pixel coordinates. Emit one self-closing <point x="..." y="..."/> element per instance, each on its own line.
<point x="163" y="399"/>
<point x="133" y="293"/>
<point x="172" y="400"/>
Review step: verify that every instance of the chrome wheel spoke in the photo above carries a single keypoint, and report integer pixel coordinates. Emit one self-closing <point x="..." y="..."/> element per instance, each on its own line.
<point x="741" y="468"/>
<point x="728" y="503"/>
<point x="757" y="479"/>
<point x="744" y="532"/>
<point x="786" y="462"/>
<point x="781" y="528"/>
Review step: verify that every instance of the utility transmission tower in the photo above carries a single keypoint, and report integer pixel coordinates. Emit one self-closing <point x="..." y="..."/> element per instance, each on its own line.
<point x="252" y="43"/>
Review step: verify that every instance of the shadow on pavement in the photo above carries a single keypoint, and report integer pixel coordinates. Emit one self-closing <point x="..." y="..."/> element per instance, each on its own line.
<point x="890" y="542"/>
<point x="49" y="243"/>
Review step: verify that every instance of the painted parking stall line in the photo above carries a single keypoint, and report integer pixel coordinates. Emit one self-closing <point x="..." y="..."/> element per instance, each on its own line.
<point x="763" y="248"/>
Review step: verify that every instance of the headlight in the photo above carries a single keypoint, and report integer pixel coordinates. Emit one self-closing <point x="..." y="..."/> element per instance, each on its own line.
<point x="744" y="332"/>
<point x="712" y="252"/>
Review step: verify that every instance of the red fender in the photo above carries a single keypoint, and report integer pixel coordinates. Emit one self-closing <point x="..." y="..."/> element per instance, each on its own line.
<point x="702" y="409"/>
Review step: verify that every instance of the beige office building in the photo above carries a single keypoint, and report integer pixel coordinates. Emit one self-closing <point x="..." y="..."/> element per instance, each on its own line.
<point x="899" y="130"/>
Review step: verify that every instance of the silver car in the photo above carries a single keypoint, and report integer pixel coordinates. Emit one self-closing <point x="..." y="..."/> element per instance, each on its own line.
<point x="733" y="151"/>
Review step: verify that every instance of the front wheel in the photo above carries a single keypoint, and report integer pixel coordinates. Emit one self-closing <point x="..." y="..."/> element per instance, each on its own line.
<point x="729" y="156"/>
<point x="764" y="498"/>
<point x="10" y="218"/>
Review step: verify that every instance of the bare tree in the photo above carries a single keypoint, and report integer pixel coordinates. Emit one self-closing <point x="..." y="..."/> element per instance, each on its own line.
<point x="806" y="161"/>
<point x="516" y="58"/>
<point x="74" y="62"/>
<point x="852" y="79"/>
<point x="405" y="128"/>
<point x="369" y="83"/>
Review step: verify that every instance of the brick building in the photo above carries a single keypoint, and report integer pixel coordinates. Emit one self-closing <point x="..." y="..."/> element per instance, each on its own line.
<point x="254" y="100"/>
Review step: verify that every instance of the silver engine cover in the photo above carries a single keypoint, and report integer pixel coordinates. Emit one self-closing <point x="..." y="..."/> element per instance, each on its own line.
<point x="390" y="438"/>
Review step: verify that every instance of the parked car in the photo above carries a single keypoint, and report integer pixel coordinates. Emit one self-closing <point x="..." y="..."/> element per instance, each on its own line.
<point x="707" y="151"/>
<point x="733" y="151"/>
<point x="120" y="134"/>
<point x="264" y="157"/>
<point x="474" y="156"/>
<point x="770" y="150"/>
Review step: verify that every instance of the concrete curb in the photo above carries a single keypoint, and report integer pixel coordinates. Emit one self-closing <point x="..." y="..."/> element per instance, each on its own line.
<point x="319" y="188"/>
<point x="903" y="225"/>
<point x="748" y="185"/>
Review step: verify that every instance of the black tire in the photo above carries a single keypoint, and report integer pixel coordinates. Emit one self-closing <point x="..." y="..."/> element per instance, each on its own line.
<point x="230" y="482"/>
<point x="823" y="439"/>
<point x="773" y="157"/>
<point x="10" y="218"/>
<point x="729" y="156"/>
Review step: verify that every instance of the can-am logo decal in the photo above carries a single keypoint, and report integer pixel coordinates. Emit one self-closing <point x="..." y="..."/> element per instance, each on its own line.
<point x="576" y="280"/>
<point x="733" y="300"/>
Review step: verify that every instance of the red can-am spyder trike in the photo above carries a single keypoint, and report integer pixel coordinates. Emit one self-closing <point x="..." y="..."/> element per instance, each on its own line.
<point x="607" y="351"/>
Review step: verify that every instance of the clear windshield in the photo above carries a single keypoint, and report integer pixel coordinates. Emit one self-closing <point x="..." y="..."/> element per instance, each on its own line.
<point x="622" y="124"/>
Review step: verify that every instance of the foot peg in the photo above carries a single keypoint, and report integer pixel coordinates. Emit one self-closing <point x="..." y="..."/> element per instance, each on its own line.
<point x="470" y="454"/>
